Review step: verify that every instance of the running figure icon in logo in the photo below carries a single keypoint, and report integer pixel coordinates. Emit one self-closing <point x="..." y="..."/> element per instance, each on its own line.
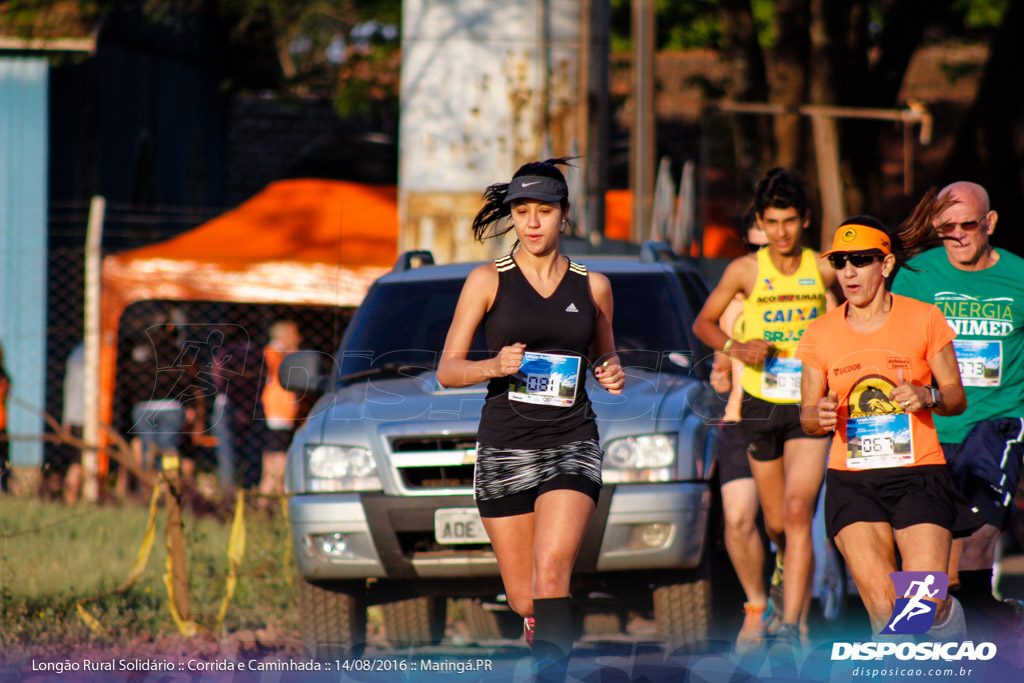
<point x="915" y="592"/>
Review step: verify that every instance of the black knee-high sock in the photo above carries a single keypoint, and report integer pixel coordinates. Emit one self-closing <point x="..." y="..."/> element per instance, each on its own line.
<point x="975" y="586"/>
<point x="554" y="622"/>
<point x="552" y="637"/>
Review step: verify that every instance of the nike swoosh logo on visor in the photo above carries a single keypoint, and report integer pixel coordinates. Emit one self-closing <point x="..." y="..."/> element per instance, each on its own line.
<point x="533" y="183"/>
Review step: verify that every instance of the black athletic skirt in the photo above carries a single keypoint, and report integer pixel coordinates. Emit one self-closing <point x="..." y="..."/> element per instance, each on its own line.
<point x="507" y="481"/>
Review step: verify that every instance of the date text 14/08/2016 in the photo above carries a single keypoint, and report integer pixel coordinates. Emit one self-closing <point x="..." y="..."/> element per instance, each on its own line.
<point x="374" y="664"/>
<point x="396" y="664"/>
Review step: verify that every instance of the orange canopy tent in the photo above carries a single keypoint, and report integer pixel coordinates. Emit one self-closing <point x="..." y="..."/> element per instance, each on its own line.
<point x="309" y="242"/>
<point x="719" y="239"/>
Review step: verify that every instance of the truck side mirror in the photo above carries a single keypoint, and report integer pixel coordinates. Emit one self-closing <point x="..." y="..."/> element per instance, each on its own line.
<point x="300" y="372"/>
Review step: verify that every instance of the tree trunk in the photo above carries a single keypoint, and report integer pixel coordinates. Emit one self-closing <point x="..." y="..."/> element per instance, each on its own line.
<point x="989" y="145"/>
<point x="876" y="83"/>
<point x="752" y="134"/>
<point x="787" y="77"/>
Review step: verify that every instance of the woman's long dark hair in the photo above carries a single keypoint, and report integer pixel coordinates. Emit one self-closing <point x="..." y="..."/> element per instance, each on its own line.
<point x="917" y="233"/>
<point x="494" y="208"/>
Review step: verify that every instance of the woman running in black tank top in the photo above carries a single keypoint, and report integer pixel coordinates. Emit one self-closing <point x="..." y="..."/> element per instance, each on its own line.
<point x="538" y="469"/>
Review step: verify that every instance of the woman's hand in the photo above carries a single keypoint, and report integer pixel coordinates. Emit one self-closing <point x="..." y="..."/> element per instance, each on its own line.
<point x="509" y="359"/>
<point x="721" y="373"/>
<point x="751" y="352"/>
<point x="910" y="396"/>
<point x="827" y="415"/>
<point x="611" y="376"/>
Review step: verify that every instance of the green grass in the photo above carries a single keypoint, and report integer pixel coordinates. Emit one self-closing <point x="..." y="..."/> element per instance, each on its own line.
<point x="52" y="556"/>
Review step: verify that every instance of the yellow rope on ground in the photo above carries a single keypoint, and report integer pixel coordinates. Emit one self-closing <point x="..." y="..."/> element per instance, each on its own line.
<point x="287" y="561"/>
<point x="141" y="560"/>
<point x="236" y="551"/>
<point x="142" y="557"/>
<point x="89" y="620"/>
<point x="186" y="628"/>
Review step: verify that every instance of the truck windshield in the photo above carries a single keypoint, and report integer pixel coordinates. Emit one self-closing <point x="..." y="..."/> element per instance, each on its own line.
<point x="407" y="324"/>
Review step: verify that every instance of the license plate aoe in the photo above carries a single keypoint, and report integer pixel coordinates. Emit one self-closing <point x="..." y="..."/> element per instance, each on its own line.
<point x="459" y="525"/>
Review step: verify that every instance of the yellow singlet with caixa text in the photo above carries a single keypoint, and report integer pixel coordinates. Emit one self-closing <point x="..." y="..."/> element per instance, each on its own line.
<point x="778" y="311"/>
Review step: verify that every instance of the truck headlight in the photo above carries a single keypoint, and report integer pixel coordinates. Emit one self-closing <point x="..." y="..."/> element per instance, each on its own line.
<point x="330" y="467"/>
<point x="647" y="457"/>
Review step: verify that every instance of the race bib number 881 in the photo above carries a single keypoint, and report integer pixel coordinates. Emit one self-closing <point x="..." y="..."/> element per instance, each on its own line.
<point x="548" y="379"/>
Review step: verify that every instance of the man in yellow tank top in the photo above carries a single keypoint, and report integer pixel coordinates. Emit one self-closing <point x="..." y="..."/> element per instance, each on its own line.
<point x="784" y="287"/>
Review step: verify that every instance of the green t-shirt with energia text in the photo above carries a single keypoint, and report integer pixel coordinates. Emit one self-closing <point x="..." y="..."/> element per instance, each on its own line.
<point x="986" y="310"/>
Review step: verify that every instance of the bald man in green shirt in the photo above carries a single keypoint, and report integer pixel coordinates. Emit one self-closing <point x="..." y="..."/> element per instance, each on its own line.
<point x="980" y="290"/>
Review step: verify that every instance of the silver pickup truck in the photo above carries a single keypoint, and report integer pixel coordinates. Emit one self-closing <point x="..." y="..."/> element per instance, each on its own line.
<point x="381" y="473"/>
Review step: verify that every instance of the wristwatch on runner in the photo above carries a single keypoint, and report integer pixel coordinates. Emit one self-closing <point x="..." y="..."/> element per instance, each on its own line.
<point x="935" y="396"/>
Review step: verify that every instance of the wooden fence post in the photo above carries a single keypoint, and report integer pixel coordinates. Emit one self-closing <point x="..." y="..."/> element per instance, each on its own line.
<point x="176" y="539"/>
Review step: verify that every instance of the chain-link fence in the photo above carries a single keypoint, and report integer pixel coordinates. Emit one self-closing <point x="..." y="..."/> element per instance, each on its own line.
<point x="192" y="377"/>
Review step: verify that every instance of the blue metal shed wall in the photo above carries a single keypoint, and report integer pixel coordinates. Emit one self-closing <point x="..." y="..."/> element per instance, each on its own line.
<point x="23" y="160"/>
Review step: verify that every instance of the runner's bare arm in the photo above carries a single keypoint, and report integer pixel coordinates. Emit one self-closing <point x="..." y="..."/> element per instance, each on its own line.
<point x="817" y="409"/>
<point x="946" y="373"/>
<point x="738" y="278"/>
<point x="604" y="360"/>
<point x="722" y="371"/>
<point x="455" y="370"/>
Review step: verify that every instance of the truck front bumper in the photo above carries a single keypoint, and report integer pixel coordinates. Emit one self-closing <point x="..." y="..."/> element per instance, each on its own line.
<point x="360" y="535"/>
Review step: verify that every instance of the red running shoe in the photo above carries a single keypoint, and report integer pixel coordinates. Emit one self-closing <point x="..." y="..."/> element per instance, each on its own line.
<point x="528" y="630"/>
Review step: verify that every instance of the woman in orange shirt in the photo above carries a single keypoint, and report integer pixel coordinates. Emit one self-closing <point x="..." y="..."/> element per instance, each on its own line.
<point x="875" y="370"/>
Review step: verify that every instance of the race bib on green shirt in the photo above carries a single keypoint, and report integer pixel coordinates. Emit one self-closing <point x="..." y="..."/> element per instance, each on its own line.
<point x="980" y="361"/>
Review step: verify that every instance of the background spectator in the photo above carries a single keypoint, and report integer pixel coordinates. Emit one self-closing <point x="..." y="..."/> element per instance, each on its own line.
<point x="5" y="459"/>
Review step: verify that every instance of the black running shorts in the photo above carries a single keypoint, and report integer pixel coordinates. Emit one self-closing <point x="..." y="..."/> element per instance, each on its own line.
<point x="768" y="426"/>
<point x="986" y="466"/>
<point x="898" y="496"/>
<point x="731" y="453"/>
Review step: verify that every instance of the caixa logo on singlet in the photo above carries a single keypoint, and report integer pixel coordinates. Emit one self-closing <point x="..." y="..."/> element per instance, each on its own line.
<point x="914" y="613"/>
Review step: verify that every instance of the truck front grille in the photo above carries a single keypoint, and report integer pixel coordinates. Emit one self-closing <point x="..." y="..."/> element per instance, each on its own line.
<point x="457" y="476"/>
<point x="417" y="444"/>
<point x="427" y="463"/>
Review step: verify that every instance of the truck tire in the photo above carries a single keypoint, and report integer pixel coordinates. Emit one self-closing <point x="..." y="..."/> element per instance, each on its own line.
<point x="415" y="622"/>
<point x="332" y="618"/>
<point x="602" y="624"/>
<point x="482" y="623"/>
<point x="683" y="613"/>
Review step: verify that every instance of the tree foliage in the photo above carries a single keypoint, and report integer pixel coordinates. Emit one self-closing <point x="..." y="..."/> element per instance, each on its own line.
<point x="346" y="50"/>
<point x="834" y="52"/>
<point x="343" y="49"/>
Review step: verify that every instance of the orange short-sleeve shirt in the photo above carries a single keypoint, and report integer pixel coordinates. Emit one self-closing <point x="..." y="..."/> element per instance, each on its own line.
<point x="863" y="369"/>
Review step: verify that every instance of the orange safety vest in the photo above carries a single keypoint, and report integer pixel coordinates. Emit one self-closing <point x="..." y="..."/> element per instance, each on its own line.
<point x="279" y="405"/>
<point x="5" y="387"/>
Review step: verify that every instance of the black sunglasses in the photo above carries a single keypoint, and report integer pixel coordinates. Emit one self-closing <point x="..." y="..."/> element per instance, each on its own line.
<point x="856" y="259"/>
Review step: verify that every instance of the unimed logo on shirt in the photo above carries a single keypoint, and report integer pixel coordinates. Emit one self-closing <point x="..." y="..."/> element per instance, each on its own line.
<point x="914" y="613"/>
